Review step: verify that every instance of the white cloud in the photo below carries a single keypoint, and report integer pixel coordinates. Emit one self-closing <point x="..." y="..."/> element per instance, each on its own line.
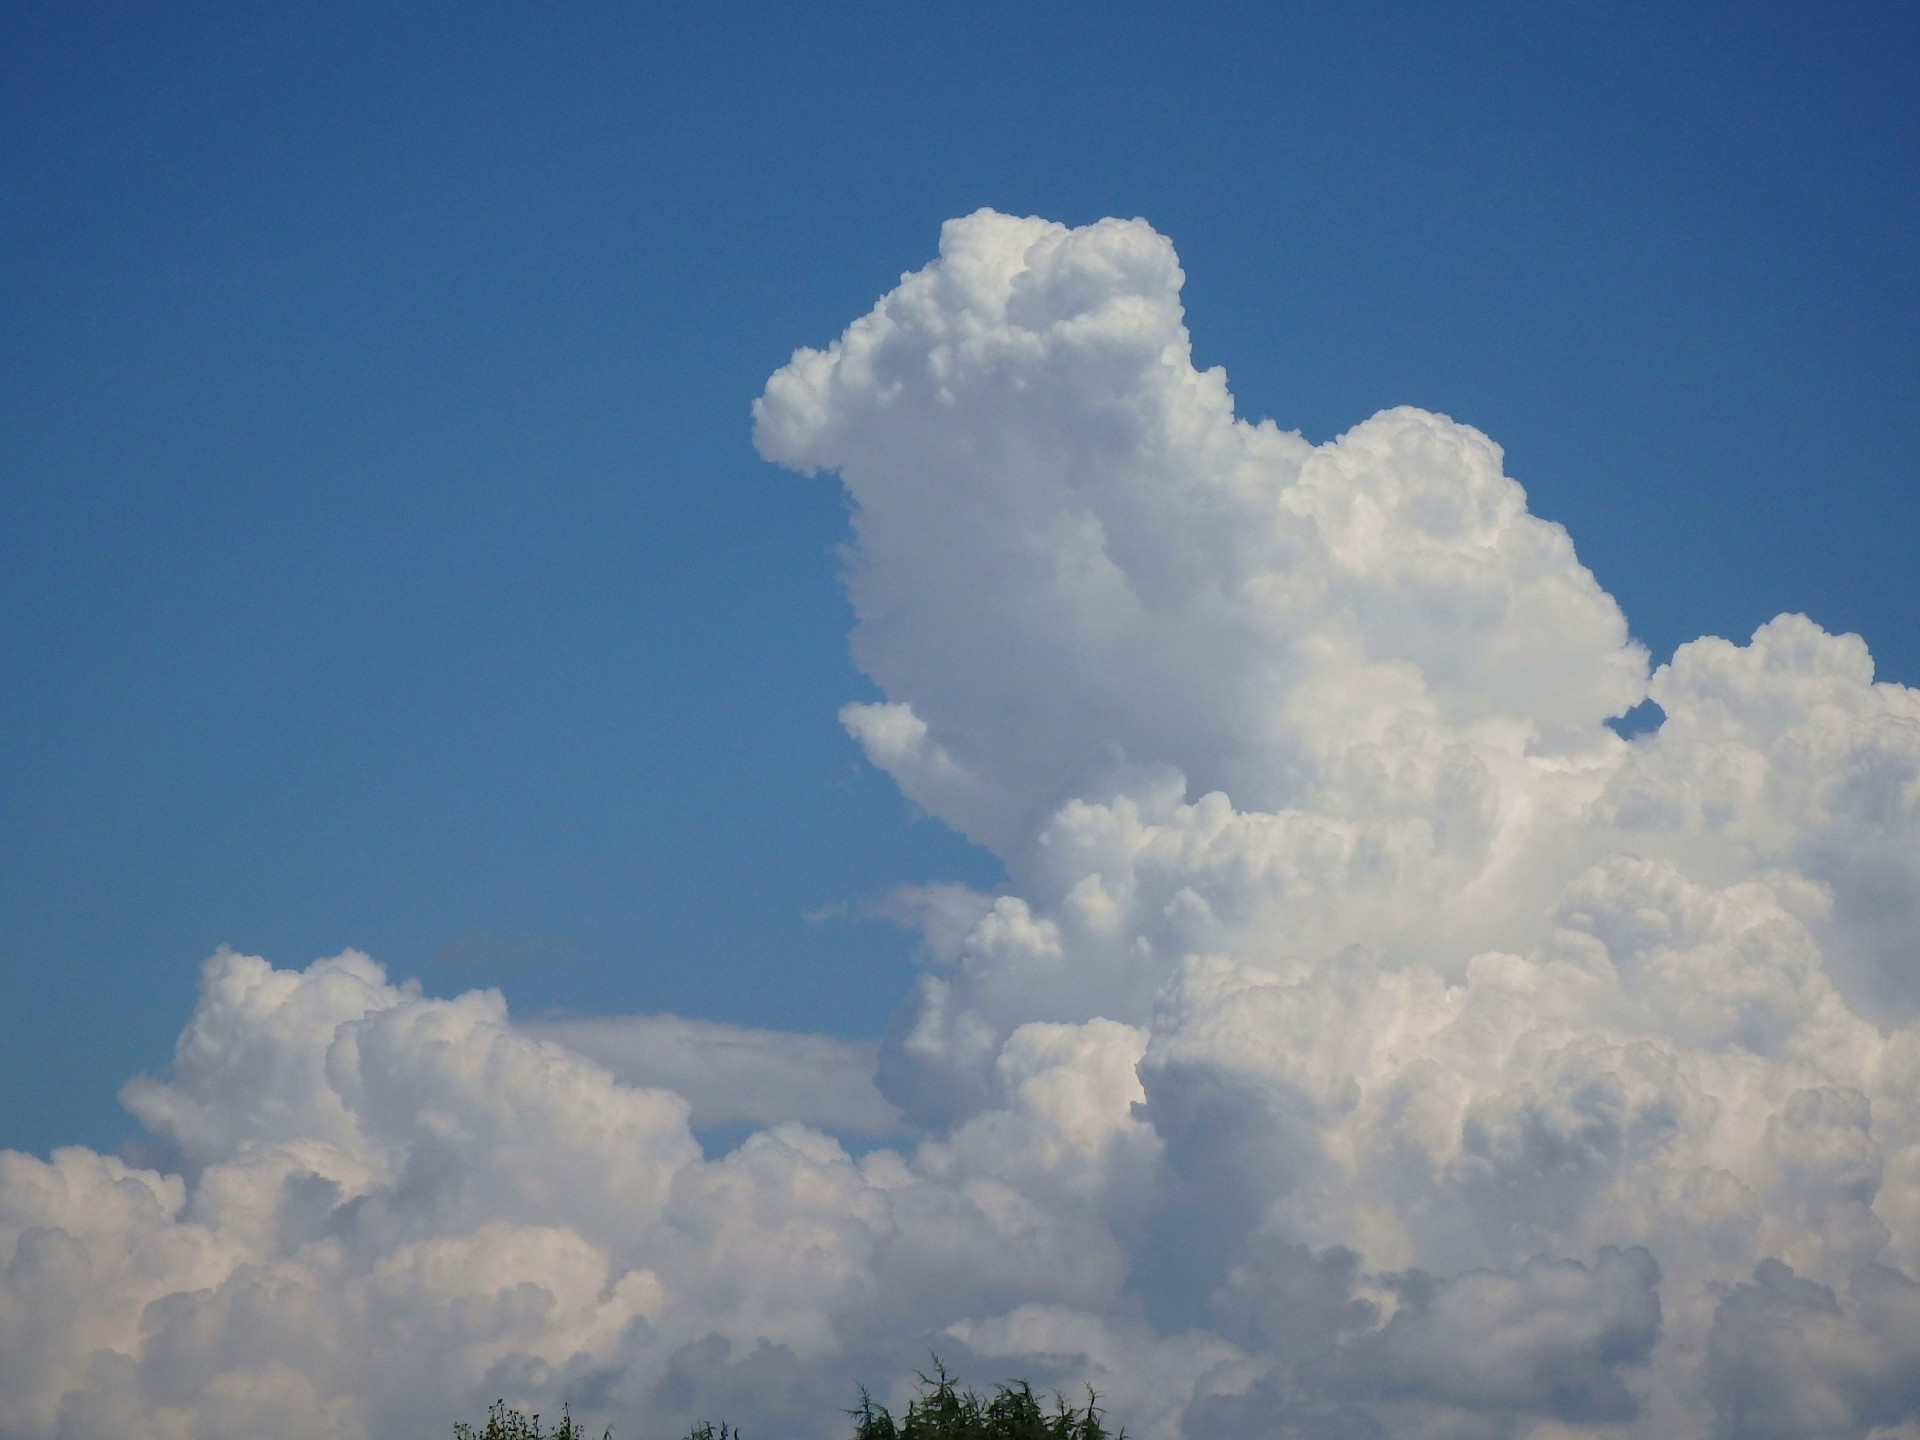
<point x="731" y="1074"/>
<point x="1366" y="1040"/>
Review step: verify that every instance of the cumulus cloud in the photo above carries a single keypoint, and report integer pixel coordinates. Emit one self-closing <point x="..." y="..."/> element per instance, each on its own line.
<point x="1366" y="1040"/>
<point x="1786" y="1359"/>
<point x="1471" y="1354"/>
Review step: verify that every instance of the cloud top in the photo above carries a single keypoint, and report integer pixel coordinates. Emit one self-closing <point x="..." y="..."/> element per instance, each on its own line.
<point x="1072" y="560"/>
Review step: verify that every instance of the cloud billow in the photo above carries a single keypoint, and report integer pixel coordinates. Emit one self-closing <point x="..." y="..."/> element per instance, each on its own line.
<point x="1367" y="1040"/>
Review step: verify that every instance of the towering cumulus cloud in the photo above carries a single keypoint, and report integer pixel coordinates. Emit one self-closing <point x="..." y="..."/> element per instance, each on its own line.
<point x="1367" y="1040"/>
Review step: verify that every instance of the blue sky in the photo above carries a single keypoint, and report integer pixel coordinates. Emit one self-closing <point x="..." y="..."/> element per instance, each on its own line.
<point x="385" y="561"/>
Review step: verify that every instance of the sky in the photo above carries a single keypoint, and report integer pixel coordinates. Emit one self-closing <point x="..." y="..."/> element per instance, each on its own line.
<point x="1102" y="834"/>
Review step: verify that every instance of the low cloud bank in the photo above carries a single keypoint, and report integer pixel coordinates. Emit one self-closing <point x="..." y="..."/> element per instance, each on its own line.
<point x="1367" y="1041"/>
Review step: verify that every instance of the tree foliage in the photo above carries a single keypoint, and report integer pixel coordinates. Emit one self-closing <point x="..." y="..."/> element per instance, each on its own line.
<point x="943" y="1410"/>
<point x="506" y="1423"/>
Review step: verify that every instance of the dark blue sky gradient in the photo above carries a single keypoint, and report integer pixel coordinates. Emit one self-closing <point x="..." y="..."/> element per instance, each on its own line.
<point x="383" y="557"/>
